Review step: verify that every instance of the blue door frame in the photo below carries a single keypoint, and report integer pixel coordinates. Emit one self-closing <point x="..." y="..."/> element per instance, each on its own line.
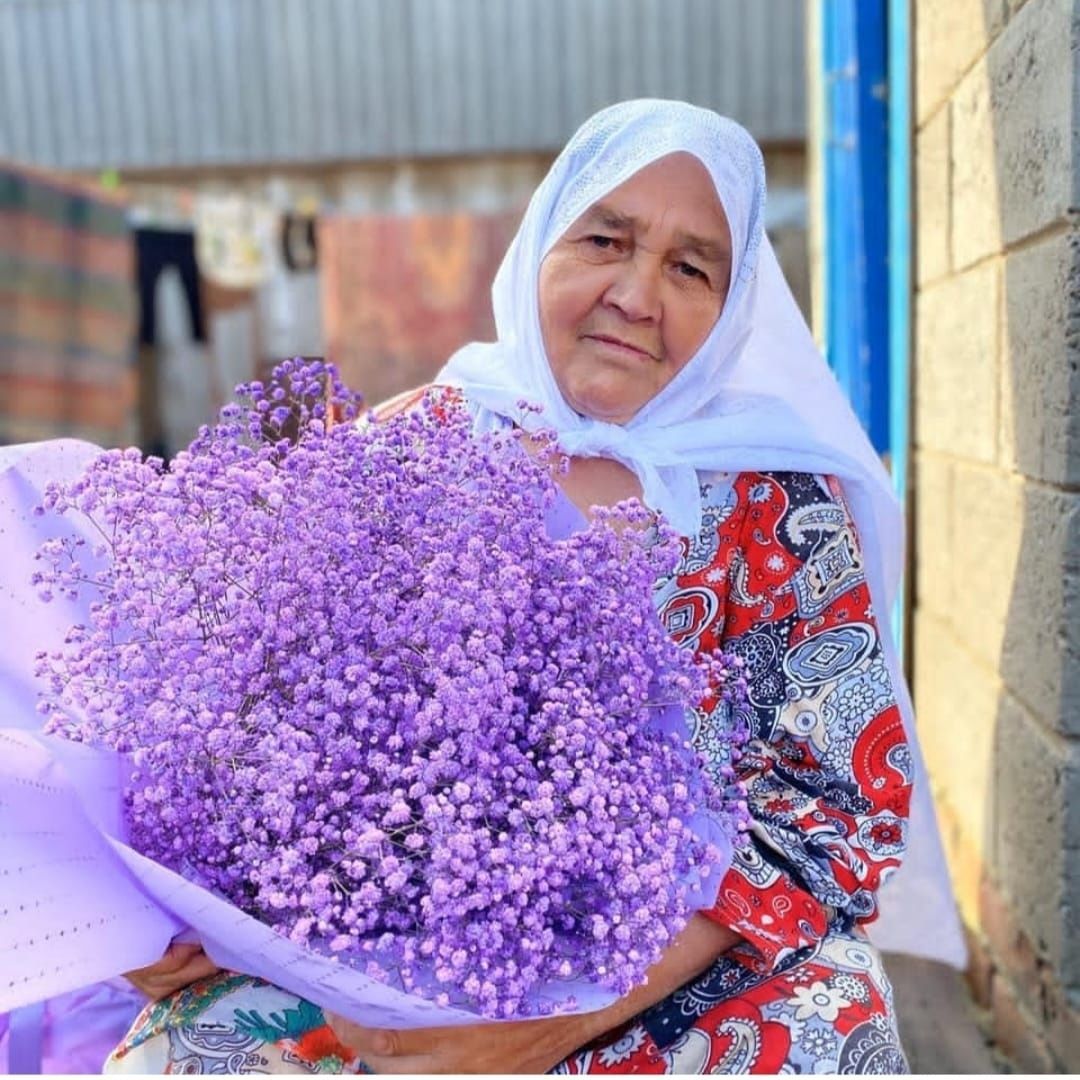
<point x="856" y="207"/>
<point x="865" y="70"/>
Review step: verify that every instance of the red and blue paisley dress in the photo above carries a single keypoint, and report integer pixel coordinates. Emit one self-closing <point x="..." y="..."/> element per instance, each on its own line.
<point x="776" y="576"/>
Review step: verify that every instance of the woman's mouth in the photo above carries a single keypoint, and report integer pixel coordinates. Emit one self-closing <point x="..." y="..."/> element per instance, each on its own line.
<point x="618" y="345"/>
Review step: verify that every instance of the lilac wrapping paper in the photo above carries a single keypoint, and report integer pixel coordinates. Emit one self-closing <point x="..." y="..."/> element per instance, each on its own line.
<point x="73" y="1033"/>
<point x="77" y="905"/>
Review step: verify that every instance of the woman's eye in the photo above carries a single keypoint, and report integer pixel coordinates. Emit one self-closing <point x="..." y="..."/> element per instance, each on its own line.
<point x="690" y="271"/>
<point x="604" y="243"/>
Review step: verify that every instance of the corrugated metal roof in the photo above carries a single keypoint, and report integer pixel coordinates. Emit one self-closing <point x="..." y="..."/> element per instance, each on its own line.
<point x="89" y="84"/>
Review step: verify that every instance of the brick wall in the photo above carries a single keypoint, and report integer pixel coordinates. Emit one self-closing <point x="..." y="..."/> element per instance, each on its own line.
<point x="997" y="496"/>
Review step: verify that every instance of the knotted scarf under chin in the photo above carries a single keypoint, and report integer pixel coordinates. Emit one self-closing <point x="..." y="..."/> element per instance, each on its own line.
<point x="668" y="484"/>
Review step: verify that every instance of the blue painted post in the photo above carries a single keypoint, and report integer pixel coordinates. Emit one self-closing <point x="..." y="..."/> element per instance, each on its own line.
<point x="900" y="268"/>
<point x="843" y="201"/>
<point x="856" y="207"/>
<point x="865" y="56"/>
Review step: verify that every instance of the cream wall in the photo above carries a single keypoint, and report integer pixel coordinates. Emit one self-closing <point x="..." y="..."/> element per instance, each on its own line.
<point x="997" y="495"/>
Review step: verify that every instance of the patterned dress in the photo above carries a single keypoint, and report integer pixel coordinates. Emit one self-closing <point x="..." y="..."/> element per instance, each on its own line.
<point x="776" y="576"/>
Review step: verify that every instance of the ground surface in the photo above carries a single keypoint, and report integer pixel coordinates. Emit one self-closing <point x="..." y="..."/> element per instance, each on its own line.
<point x="937" y="1019"/>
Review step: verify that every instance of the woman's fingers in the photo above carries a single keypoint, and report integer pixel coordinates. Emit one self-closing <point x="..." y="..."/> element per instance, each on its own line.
<point x="528" y="1046"/>
<point x="363" y="1040"/>
<point x="177" y="955"/>
<point x="182" y="964"/>
<point x="380" y="1049"/>
<point x="198" y="967"/>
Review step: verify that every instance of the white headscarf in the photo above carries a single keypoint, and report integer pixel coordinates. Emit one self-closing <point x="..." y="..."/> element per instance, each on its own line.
<point x="757" y="395"/>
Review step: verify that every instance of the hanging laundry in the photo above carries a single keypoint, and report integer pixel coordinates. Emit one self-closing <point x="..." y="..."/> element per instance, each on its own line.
<point x="299" y="247"/>
<point x="236" y="238"/>
<point x="158" y="249"/>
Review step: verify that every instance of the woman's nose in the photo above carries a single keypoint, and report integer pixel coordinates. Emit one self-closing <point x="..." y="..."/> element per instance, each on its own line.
<point x="636" y="289"/>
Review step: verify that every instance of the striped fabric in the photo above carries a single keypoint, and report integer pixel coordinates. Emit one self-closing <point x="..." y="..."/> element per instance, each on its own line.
<point x="68" y="307"/>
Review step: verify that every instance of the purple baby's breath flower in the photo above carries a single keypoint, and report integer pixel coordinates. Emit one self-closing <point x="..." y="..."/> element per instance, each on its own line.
<point x="375" y="705"/>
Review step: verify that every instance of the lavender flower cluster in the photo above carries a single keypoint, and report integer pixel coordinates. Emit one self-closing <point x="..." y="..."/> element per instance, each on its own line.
<point x="374" y="704"/>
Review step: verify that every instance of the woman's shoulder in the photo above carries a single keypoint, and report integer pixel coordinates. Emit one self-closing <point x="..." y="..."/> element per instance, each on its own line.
<point x="759" y="506"/>
<point x="764" y="486"/>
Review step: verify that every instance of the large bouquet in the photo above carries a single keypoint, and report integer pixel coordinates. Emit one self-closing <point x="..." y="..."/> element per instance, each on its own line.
<point x="375" y="703"/>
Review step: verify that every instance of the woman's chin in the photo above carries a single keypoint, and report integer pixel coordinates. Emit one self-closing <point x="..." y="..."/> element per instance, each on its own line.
<point x="603" y="402"/>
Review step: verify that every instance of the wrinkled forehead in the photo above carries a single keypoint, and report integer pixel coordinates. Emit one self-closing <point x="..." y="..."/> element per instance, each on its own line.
<point x="620" y="141"/>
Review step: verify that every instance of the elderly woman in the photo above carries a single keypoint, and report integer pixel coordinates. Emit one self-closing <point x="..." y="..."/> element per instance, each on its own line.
<point x="642" y="307"/>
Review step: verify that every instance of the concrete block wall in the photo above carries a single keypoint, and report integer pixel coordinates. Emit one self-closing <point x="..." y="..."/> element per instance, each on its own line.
<point x="996" y="656"/>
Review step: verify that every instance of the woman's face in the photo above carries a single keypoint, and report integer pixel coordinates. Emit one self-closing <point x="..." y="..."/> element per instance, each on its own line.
<point x="630" y="291"/>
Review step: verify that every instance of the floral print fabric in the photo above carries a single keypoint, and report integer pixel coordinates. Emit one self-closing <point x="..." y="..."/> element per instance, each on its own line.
<point x="775" y="575"/>
<point x="231" y="1024"/>
<point x="827" y="1009"/>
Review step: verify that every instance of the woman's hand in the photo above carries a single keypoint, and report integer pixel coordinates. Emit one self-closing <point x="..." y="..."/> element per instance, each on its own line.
<point x="181" y="965"/>
<point x="521" y="1046"/>
<point x="532" y="1046"/>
